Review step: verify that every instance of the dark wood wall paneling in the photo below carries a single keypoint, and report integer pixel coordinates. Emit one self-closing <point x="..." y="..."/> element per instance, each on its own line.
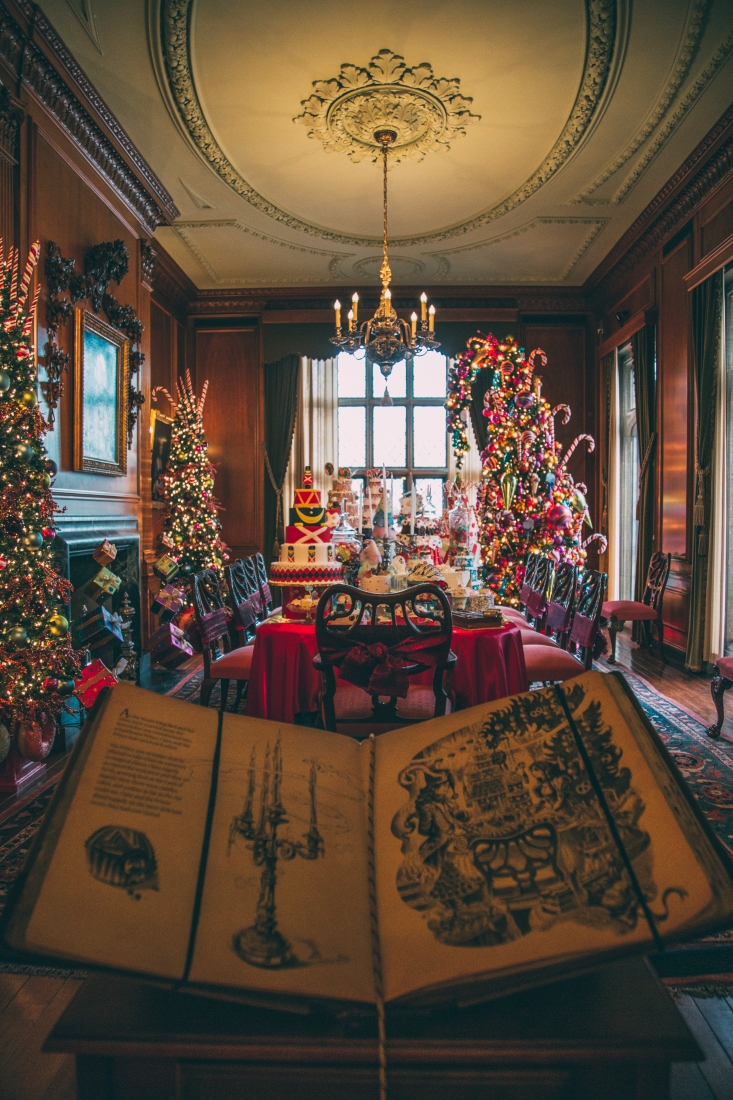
<point x="690" y="219"/>
<point x="230" y="359"/>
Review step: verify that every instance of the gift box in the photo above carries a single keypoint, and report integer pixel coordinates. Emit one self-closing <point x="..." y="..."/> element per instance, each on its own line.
<point x="168" y="647"/>
<point x="165" y="567"/>
<point x="168" y="603"/>
<point x="166" y="540"/>
<point x="96" y="629"/>
<point x="93" y="678"/>
<point x="104" y="584"/>
<point x="105" y="552"/>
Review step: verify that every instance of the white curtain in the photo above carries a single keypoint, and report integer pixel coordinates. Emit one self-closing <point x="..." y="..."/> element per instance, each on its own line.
<point x="471" y="469"/>
<point x="614" y="487"/>
<point x="715" y="625"/>
<point x="315" y="441"/>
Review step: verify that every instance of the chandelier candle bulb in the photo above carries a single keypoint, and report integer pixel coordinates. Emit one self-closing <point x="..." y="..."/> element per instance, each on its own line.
<point x="413" y="319"/>
<point x="423" y="305"/>
<point x="355" y="300"/>
<point x="350" y="315"/>
<point x="431" y="320"/>
<point x="337" y="308"/>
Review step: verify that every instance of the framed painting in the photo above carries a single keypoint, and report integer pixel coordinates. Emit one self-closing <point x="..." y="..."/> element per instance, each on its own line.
<point x="101" y="372"/>
<point x="160" y="442"/>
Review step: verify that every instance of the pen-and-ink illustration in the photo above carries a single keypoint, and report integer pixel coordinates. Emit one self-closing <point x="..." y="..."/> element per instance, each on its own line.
<point x="263" y="944"/>
<point x="122" y="857"/>
<point x="503" y="833"/>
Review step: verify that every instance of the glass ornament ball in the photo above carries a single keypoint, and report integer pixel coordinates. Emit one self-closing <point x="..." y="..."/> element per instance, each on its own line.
<point x="58" y="624"/>
<point x="24" y="451"/>
<point x="17" y="636"/>
<point x="33" y="540"/>
<point x="51" y="467"/>
<point x="3" y="562"/>
<point x="46" y="481"/>
<point x="50" y="684"/>
<point x="5" y="382"/>
<point x="29" y="398"/>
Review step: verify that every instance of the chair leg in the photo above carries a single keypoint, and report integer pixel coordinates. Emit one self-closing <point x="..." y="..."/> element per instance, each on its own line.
<point x="224" y="688"/>
<point x="241" y="685"/>
<point x="718" y="687"/>
<point x="613" y="628"/>
<point x="441" y="697"/>
<point x="328" y="683"/>
<point x="207" y="687"/>
<point x="660" y="632"/>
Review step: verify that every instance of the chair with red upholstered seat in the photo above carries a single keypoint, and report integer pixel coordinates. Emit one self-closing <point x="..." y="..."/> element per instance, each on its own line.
<point x="244" y="601"/>
<point x="221" y="662"/>
<point x="560" y="609"/>
<point x="377" y="641"/>
<point x="547" y="663"/>
<point x="265" y="591"/>
<point x="718" y="687"/>
<point x="647" y="610"/>
<point x="532" y="596"/>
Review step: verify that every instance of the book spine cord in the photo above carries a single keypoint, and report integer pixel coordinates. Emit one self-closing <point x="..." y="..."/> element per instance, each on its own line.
<point x="204" y="854"/>
<point x="610" y="820"/>
<point x="374" y="922"/>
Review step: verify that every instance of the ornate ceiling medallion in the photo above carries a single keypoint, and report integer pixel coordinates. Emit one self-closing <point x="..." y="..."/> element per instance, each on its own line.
<point x="424" y="111"/>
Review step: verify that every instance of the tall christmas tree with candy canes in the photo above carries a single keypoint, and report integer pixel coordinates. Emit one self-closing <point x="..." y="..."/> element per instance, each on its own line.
<point x="192" y="529"/>
<point x="527" y="501"/>
<point x="37" y="664"/>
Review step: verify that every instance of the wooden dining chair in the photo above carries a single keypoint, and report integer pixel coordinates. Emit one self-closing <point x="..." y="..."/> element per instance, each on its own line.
<point x="559" y="611"/>
<point x="536" y="606"/>
<point x="250" y="570"/>
<point x="648" y="610"/>
<point x="221" y="661"/>
<point x="720" y="683"/>
<point x="377" y="641"/>
<point x="265" y="591"/>
<point x="552" y="663"/>
<point x="244" y="601"/>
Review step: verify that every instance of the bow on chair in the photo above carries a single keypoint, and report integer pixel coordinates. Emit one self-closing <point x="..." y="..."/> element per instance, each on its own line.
<point x="380" y="669"/>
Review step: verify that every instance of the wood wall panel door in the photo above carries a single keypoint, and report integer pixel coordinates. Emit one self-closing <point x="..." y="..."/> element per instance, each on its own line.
<point x="673" y="389"/>
<point x="564" y="382"/>
<point x="234" y="426"/>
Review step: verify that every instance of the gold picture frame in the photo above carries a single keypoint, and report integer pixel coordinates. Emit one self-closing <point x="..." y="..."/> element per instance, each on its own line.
<point x="160" y="445"/>
<point x="101" y="380"/>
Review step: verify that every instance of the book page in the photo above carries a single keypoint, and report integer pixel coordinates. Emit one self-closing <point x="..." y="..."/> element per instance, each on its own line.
<point x="492" y="850"/>
<point x="119" y="889"/>
<point x="285" y="905"/>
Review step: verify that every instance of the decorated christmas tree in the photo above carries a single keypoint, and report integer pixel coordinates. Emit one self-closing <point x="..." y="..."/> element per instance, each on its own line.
<point x="191" y="526"/>
<point x="527" y="499"/>
<point x="37" y="664"/>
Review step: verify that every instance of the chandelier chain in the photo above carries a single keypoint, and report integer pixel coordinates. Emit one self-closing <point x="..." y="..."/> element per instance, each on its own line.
<point x="386" y="273"/>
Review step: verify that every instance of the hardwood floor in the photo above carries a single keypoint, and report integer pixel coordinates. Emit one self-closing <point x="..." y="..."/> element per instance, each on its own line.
<point x="29" y="1005"/>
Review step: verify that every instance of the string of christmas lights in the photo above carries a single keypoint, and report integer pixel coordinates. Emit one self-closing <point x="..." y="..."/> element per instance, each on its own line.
<point x="37" y="663"/>
<point x="191" y="525"/>
<point x="527" y="500"/>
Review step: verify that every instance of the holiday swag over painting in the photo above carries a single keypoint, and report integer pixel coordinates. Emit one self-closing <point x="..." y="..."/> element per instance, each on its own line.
<point x="37" y="664"/>
<point x="527" y="500"/>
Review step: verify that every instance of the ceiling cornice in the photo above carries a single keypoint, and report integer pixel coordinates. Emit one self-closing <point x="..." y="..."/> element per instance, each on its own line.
<point x="703" y="170"/>
<point x="173" y="27"/>
<point x="38" y="59"/>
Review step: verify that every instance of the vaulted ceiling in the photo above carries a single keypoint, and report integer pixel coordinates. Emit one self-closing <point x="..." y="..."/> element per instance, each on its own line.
<point x="530" y="134"/>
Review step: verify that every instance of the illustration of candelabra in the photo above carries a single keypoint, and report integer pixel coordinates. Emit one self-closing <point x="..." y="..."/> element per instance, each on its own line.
<point x="263" y="944"/>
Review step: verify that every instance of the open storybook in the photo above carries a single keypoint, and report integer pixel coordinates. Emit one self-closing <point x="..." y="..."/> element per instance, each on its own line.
<point x="451" y="860"/>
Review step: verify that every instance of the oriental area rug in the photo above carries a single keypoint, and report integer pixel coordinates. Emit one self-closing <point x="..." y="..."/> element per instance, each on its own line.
<point x="705" y="966"/>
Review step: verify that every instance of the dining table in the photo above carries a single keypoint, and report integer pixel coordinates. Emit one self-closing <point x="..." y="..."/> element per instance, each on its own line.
<point x="283" y="684"/>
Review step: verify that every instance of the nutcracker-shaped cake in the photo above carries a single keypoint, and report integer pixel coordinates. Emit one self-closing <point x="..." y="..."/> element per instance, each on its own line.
<point x="307" y="557"/>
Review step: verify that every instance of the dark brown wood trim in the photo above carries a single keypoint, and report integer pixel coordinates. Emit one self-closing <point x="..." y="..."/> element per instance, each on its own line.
<point x="711" y="263"/>
<point x="633" y="325"/>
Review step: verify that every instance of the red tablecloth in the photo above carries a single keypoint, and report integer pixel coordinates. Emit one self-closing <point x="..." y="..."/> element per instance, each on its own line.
<point x="283" y="682"/>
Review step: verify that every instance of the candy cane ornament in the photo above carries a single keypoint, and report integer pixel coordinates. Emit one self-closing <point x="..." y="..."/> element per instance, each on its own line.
<point x="592" y="538"/>
<point x="574" y="444"/>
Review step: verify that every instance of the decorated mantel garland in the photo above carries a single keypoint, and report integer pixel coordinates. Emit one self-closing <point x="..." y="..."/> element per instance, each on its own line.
<point x="527" y="500"/>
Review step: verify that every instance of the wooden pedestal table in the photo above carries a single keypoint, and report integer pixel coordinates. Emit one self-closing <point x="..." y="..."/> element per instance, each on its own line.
<point x="609" y="1035"/>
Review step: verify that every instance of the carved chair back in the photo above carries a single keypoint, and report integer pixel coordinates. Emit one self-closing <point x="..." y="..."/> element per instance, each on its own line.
<point x="265" y="592"/>
<point x="211" y="615"/>
<point x="561" y="602"/>
<point x="656" y="579"/>
<point x="529" y="569"/>
<point x="585" y="631"/>
<point x="250" y="571"/>
<point x="542" y="575"/>
<point x="244" y="599"/>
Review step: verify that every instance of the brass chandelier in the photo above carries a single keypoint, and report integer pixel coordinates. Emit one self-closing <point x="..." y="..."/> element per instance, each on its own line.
<point x="386" y="338"/>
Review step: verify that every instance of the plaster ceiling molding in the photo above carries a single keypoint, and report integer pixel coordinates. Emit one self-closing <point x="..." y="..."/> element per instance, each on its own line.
<point x="198" y="200"/>
<point x="84" y="12"/>
<point x="550" y="248"/>
<point x="173" y="28"/>
<point x="406" y="270"/>
<point x="426" y="112"/>
<point x="689" y="42"/>
<point x="708" y="74"/>
<point x="220" y="254"/>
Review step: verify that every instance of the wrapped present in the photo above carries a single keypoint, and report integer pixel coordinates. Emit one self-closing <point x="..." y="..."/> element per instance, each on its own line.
<point x="166" y="540"/>
<point x="168" y="647"/>
<point x="104" y="584"/>
<point x="93" y="678"/>
<point x="96" y="629"/>
<point x="168" y="603"/>
<point x="165" y="567"/>
<point x="105" y="552"/>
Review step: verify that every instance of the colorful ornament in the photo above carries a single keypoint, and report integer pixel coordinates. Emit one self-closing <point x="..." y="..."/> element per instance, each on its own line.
<point x="29" y="398"/>
<point x="58" y="624"/>
<point x="35" y="739"/>
<point x="5" y="384"/>
<point x="18" y="636"/>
